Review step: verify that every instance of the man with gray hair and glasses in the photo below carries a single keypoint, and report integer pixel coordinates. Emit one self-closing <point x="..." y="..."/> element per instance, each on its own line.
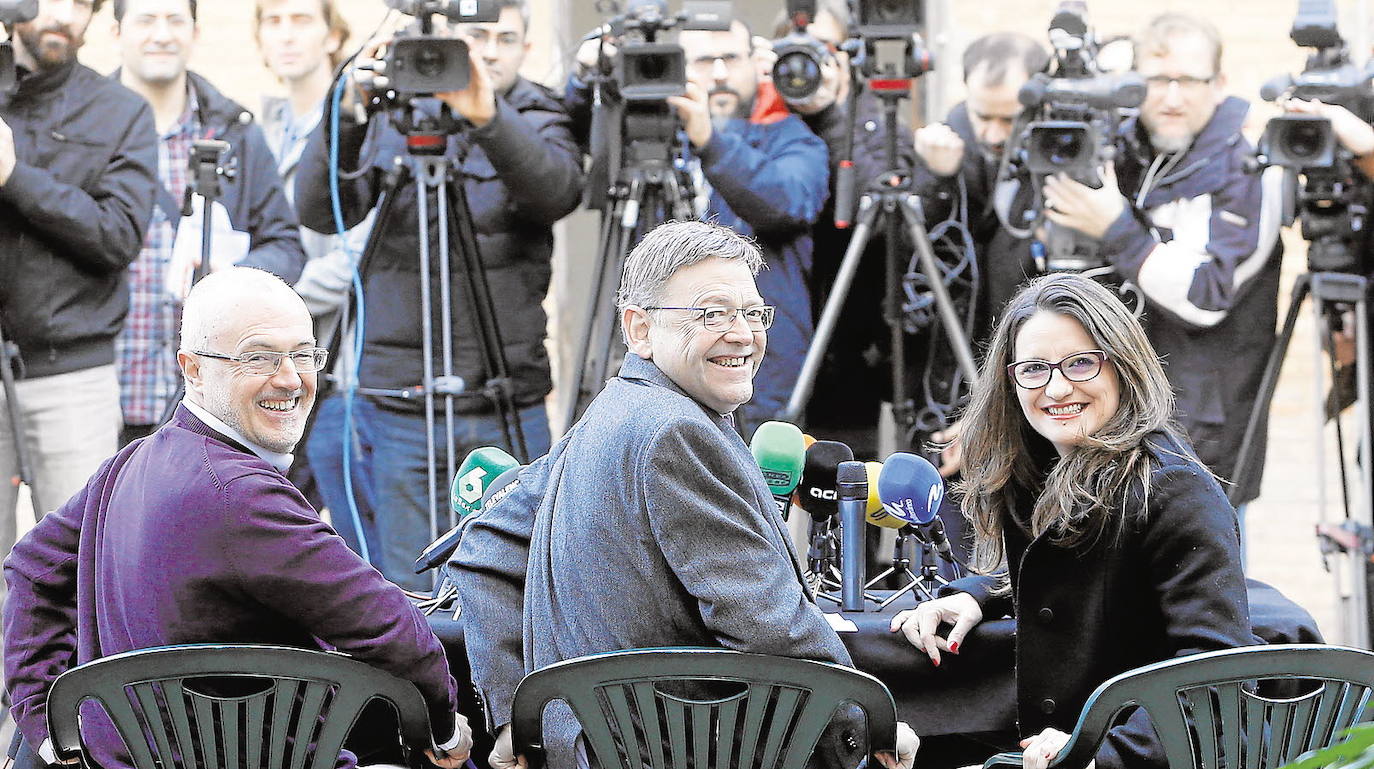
<point x="649" y="524"/>
<point x="194" y="535"/>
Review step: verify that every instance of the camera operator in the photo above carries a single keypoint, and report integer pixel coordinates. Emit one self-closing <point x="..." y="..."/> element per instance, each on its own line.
<point x="761" y="173"/>
<point x="521" y="172"/>
<point x="78" y="161"/>
<point x="1185" y="222"/>
<point x="251" y="222"/>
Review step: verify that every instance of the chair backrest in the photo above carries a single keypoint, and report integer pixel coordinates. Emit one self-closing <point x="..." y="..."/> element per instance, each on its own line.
<point x="1254" y="707"/>
<point x="685" y="708"/>
<point x="182" y="706"/>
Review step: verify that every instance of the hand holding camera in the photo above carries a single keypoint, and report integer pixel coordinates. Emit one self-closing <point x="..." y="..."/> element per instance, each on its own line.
<point x="1353" y="133"/>
<point x="1091" y="211"/>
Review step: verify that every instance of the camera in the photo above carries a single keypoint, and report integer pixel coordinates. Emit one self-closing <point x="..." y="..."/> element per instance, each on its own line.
<point x="1330" y="200"/>
<point x="1070" y="122"/>
<point x="420" y="63"/>
<point x="890" y="51"/>
<point x="13" y="12"/>
<point x="797" y="72"/>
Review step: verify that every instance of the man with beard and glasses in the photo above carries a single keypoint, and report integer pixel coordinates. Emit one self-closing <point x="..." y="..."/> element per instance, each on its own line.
<point x="252" y="221"/>
<point x="1184" y="221"/>
<point x="78" y="171"/>
<point x="759" y="171"/>
<point x="194" y="535"/>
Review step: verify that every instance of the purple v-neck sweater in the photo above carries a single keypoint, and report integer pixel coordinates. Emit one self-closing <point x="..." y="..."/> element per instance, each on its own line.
<point x="187" y="537"/>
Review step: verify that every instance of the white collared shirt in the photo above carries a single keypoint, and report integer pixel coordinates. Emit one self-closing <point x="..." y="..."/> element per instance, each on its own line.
<point x="278" y="460"/>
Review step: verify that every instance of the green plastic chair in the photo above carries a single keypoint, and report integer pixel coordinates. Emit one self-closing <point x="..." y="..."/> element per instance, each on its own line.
<point x="634" y="703"/>
<point x="1208" y="715"/>
<point x="301" y="706"/>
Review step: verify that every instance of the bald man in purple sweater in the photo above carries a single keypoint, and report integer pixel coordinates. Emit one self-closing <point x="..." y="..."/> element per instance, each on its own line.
<point x="194" y="535"/>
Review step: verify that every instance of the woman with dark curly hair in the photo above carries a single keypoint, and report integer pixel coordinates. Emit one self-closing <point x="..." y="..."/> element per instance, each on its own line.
<point x="1094" y="523"/>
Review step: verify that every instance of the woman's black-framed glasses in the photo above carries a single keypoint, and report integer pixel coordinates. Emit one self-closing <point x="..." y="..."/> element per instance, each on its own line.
<point x="266" y="362"/>
<point x="1078" y="367"/>
<point x="757" y="318"/>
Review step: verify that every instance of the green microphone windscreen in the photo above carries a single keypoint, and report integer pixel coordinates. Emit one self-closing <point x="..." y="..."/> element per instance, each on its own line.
<point x="780" y="450"/>
<point x="479" y="469"/>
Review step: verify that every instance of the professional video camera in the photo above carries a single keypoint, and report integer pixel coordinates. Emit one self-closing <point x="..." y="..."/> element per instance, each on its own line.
<point x="1070" y="124"/>
<point x="12" y="12"/>
<point x="797" y="72"/>
<point x="420" y="63"/>
<point x="889" y="51"/>
<point x="1331" y="197"/>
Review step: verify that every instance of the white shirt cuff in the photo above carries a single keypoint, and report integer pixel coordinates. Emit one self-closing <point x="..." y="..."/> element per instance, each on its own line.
<point x="46" y="752"/>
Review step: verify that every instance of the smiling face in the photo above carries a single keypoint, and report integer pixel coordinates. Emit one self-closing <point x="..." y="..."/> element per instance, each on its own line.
<point x="714" y="367"/>
<point x="1183" y="91"/>
<point x="156" y="38"/>
<point x="1062" y="411"/>
<point x="268" y="410"/>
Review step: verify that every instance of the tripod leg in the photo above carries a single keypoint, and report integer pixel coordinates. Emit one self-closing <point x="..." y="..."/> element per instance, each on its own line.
<point x="610" y="238"/>
<point x="830" y="316"/>
<point x="8" y="352"/>
<point x="1364" y="507"/>
<point x="1268" y="383"/>
<point x="446" y="346"/>
<point x="949" y="318"/>
<point x="422" y="191"/>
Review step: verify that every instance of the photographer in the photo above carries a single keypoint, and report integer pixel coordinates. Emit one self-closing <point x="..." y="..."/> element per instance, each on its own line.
<point x="762" y="174"/>
<point x="1185" y="222"/>
<point x="251" y="221"/>
<point x="78" y="161"/>
<point x="521" y="172"/>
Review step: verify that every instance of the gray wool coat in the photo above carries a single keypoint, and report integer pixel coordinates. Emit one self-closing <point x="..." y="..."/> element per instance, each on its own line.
<point x="648" y="525"/>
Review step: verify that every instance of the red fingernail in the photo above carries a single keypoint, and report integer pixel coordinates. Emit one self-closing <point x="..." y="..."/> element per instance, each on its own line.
<point x="935" y="661"/>
<point x="954" y="648"/>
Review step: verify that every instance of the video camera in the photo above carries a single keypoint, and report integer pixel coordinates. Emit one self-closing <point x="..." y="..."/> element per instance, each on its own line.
<point x="1073" y="113"/>
<point x="421" y="63"/>
<point x="1331" y="197"/>
<point x="889" y="51"/>
<point x="12" y="12"/>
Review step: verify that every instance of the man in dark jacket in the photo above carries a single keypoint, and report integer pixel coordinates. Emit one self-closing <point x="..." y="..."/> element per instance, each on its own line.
<point x="256" y="225"/>
<point x="521" y="172"/>
<point x="78" y="163"/>
<point x="1196" y="232"/>
<point x="761" y="172"/>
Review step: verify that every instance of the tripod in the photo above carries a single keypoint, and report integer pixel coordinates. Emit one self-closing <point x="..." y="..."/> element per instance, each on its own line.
<point x="648" y="189"/>
<point x="9" y="354"/>
<point x="886" y="204"/>
<point x="427" y="167"/>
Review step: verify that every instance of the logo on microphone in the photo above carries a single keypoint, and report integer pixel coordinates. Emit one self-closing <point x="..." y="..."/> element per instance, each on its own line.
<point x="937" y="493"/>
<point x="470" y="485"/>
<point x="830" y="495"/>
<point x="776" y="477"/>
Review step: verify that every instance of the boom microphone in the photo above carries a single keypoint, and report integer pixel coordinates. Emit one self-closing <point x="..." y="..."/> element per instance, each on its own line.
<point x="780" y="450"/>
<point x="911" y="490"/>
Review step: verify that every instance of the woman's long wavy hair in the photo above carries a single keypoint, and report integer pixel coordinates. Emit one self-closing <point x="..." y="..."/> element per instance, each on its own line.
<point x="1084" y="494"/>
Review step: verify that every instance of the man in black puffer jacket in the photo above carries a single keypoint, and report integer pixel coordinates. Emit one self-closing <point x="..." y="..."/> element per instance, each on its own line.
<point x="521" y="171"/>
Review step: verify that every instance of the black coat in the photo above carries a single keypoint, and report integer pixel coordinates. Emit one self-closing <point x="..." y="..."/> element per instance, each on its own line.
<point x="1169" y="585"/>
<point x="72" y="215"/>
<point x="521" y="173"/>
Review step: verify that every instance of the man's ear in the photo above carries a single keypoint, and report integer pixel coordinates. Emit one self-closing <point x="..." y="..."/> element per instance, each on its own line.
<point x="635" y="324"/>
<point x="190" y="370"/>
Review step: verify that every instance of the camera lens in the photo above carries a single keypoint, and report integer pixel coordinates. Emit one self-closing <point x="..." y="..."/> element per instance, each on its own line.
<point x="1061" y="148"/>
<point x="651" y="69"/>
<point x="797" y="75"/>
<point x="1305" y="140"/>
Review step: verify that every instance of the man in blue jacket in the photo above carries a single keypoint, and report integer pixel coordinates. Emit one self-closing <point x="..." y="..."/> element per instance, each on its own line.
<point x="78" y="160"/>
<point x="1195" y="231"/>
<point x="760" y="172"/>
<point x="156" y="38"/>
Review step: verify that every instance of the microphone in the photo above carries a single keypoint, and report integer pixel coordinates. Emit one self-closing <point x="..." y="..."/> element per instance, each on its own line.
<point x="874" y="512"/>
<point x="851" y="486"/>
<point x="440" y="549"/>
<point x="780" y="450"/>
<point x="911" y="490"/>
<point x="479" y="469"/>
<point x="817" y="493"/>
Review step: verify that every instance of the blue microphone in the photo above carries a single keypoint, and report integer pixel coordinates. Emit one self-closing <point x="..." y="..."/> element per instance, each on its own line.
<point x="911" y="489"/>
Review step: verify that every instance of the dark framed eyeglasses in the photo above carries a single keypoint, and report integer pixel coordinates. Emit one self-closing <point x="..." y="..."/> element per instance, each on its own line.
<point x="1078" y="367"/>
<point x="1184" y="82"/>
<point x="757" y="318"/>
<point x="266" y="362"/>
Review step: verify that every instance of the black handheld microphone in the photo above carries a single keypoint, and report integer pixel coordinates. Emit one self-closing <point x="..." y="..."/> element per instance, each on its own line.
<point x="817" y="494"/>
<point x="851" y="484"/>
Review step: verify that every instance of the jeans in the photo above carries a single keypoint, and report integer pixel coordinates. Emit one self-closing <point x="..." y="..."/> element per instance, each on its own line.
<point x="389" y="469"/>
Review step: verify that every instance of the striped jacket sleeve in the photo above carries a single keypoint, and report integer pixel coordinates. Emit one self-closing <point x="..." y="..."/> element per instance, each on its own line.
<point x="1197" y="256"/>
